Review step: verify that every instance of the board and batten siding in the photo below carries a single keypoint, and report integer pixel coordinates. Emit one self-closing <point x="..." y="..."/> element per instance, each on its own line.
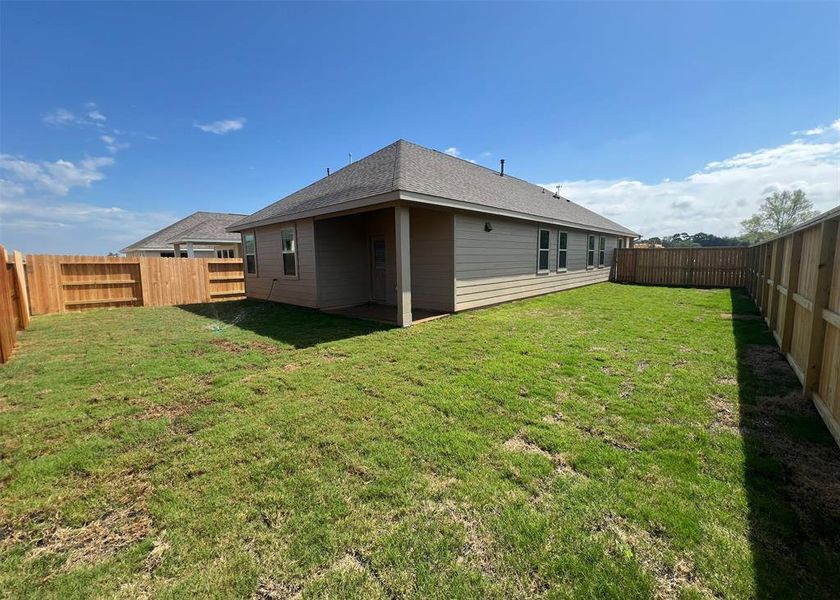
<point x="431" y="259"/>
<point x="300" y="290"/>
<point x="500" y="265"/>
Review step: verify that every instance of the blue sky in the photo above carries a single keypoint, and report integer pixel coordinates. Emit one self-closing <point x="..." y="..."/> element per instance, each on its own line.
<point x="117" y="118"/>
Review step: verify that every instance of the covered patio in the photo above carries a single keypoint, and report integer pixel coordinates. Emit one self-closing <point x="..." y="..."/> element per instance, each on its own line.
<point x="392" y="264"/>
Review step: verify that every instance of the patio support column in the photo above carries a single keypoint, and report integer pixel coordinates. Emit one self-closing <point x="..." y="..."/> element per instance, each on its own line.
<point x="190" y="252"/>
<point x="177" y="250"/>
<point x="403" y="255"/>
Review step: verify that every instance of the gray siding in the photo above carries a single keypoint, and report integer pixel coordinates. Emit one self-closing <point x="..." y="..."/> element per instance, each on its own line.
<point x="501" y="265"/>
<point x="343" y="261"/>
<point x="431" y="259"/>
<point x="300" y="290"/>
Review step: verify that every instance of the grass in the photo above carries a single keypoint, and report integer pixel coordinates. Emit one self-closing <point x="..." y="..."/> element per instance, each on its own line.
<point x="610" y="441"/>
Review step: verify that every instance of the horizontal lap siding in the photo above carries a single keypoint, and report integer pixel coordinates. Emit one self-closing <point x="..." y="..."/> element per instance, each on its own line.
<point x="501" y="265"/>
<point x="300" y="291"/>
<point x="431" y="259"/>
<point x="343" y="261"/>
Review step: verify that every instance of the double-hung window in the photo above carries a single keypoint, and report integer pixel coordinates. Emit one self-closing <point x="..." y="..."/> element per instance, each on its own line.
<point x="562" y="247"/>
<point x="249" y="241"/>
<point x="602" y="251"/>
<point x="542" y="259"/>
<point x="590" y="252"/>
<point x="226" y="253"/>
<point x="289" y="248"/>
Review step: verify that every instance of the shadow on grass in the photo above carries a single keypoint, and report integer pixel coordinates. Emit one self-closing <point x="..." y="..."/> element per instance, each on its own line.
<point x="791" y="470"/>
<point x="293" y="325"/>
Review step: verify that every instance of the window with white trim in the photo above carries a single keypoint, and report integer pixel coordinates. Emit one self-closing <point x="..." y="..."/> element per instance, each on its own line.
<point x="544" y="242"/>
<point x="225" y="253"/>
<point x="590" y="252"/>
<point x="602" y="251"/>
<point x="249" y="242"/>
<point x="289" y="249"/>
<point x="562" y="248"/>
<point x="621" y="243"/>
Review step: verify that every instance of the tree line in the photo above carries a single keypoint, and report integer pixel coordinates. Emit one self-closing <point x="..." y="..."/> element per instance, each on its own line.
<point x="779" y="212"/>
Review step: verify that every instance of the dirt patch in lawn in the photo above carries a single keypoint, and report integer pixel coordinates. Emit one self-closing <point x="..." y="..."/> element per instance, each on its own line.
<point x="672" y="574"/>
<point x="764" y="360"/>
<point x="725" y="418"/>
<point x="240" y="347"/>
<point x="159" y="411"/>
<point x="608" y="439"/>
<point x="124" y="526"/>
<point x="229" y="346"/>
<point x="520" y="444"/>
<point x="739" y="317"/>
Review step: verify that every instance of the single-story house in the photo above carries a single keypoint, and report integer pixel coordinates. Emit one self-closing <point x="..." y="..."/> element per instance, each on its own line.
<point x="200" y="235"/>
<point x="420" y="231"/>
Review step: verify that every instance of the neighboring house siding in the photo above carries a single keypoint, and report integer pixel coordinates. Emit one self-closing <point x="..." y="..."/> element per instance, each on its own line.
<point x="343" y="261"/>
<point x="300" y="290"/>
<point x="431" y="259"/>
<point x="501" y="265"/>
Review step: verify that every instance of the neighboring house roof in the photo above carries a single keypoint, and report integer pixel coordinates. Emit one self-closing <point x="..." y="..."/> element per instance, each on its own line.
<point x="201" y="226"/>
<point x="407" y="167"/>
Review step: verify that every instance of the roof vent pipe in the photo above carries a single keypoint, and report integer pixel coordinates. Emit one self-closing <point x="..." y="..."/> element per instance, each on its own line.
<point x="328" y="171"/>
<point x="502" y="170"/>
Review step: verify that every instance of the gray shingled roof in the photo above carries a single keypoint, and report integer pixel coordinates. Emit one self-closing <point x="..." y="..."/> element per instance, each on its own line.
<point x="407" y="167"/>
<point x="200" y="225"/>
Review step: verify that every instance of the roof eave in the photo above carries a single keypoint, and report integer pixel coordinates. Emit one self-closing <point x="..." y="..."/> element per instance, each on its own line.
<point x="421" y="199"/>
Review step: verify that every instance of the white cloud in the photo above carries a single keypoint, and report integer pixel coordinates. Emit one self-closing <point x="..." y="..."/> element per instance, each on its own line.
<point x="47" y="226"/>
<point x="452" y="151"/>
<point x="112" y="144"/>
<point x="62" y="117"/>
<point x="54" y="177"/>
<point x="717" y="197"/>
<point x="222" y="127"/>
<point x="35" y="217"/>
<point x="818" y="130"/>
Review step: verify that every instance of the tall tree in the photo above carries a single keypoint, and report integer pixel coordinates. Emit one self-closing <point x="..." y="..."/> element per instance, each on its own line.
<point x="778" y="213"/>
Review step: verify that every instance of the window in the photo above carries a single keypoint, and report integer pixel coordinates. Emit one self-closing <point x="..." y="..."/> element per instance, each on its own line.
<point x="287" y="237"/>
<point x="602" y="250"/>
<point x="621" y="242"/>
<point x="562" y="246"/>
<point x="172" y="255"/>
<point x="250" y="243"/>
<point x="590" y="252"/>
<point x="227" y="253"/>
<point x="542" y="260"/>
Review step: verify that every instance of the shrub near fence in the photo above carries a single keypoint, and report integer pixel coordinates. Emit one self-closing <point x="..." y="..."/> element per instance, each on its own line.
<point x="701" y="267"/>
<point x="795" y="282"/>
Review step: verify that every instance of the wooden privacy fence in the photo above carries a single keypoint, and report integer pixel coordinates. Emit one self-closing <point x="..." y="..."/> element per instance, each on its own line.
<point x="702" y="267"/>
<point x="69" y="283"/>
<point x="795" y="282"/>
<point x="53" y="284"/>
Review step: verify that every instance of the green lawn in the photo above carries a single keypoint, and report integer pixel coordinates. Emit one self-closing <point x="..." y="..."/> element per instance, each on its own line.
<point x="610" y="441"/>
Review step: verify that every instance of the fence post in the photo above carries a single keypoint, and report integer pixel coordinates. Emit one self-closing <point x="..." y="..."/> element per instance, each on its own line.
<point x="813" y="365"/>
<point x="793" y="284"/>
<point x="22" y="291"/>
<point x="776" y="276"/>
<point x="142" y="273"/>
